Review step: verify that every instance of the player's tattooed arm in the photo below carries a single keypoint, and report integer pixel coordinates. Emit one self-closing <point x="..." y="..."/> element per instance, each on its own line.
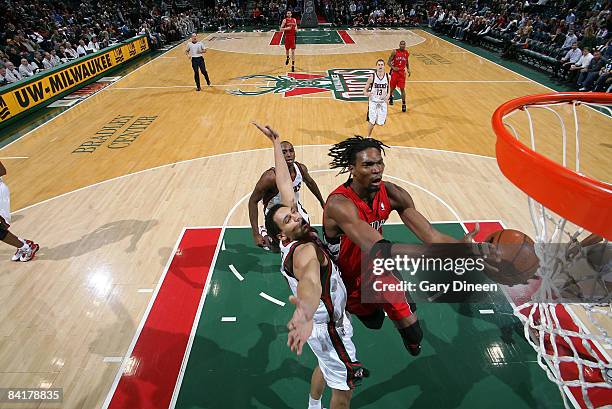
<point x="311" y="184"/>
<point x="265" y="183"/>
<point x="306" y="268"/>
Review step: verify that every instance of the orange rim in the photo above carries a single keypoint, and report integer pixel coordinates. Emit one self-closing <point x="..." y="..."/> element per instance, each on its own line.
<point x="584" y="201"/>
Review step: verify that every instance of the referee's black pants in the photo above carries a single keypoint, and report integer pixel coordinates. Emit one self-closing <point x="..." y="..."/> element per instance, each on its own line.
<point x="198" y="62"/>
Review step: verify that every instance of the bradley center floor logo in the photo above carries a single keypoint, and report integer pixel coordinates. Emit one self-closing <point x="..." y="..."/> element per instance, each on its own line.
<point x="345" y="84"/>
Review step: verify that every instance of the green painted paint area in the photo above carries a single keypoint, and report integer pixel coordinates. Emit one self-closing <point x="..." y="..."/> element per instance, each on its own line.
<point x="317" y="37"/>
<point x="468" y="360"/>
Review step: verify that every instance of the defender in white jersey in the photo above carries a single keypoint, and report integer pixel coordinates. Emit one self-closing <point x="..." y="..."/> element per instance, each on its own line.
<point x="267" y="192"/>
<point x="268" y="201"/>
<point x="319" y="294"/>
<point x="377" y="91"/>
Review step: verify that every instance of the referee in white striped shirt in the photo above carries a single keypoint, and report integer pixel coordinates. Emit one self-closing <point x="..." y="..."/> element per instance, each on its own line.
<point x="195" y="50"/>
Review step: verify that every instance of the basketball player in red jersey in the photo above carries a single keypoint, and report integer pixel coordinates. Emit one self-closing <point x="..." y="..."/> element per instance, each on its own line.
<point x="398" y="61"/>
<point x="352" y="224"/>
<point x="289" y="27"/>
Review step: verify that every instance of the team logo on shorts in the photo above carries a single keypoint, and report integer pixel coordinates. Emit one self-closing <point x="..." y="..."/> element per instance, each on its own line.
<point x="345" y="84"/>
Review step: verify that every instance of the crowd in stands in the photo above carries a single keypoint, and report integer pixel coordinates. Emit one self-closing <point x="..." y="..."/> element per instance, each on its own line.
<point x="37" y="35"/>
<point x="360" y="13"/>
<point x="571" y="40"/>
<point x="363" y="13"/>
<point x="233" y="14"/>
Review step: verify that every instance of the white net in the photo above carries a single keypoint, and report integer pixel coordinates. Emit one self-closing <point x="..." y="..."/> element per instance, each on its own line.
<point x="568" y="319"/>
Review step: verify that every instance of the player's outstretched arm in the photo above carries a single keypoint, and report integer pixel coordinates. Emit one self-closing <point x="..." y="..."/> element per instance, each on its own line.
<point x="311" y="184"/>
<point x="402" y="202"/>
<point x="343" y="212"/>
<point x="306" y="268"/>
<point x="283" y="178"/>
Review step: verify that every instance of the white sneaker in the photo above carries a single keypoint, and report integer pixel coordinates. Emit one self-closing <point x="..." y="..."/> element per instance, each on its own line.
<point x="17" y="254"/>
<point x="30" y="252"/>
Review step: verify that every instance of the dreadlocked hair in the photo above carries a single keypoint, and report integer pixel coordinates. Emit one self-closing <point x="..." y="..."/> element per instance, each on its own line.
<point x="344" y="153"/>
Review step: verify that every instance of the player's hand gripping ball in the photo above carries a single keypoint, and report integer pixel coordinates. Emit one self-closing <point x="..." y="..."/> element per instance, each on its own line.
<point x="516" y="261"/>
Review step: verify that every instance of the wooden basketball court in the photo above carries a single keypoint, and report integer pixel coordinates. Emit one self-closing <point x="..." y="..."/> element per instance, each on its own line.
<point x="149" y="179"/>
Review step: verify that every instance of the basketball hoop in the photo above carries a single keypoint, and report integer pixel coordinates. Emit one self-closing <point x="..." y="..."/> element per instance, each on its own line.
<point x="566" y="207"/>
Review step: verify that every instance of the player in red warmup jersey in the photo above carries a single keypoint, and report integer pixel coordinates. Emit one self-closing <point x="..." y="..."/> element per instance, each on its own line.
<point x="352" y="223"/>
<point x="289" y="26"/>
<point x="398" y="61"/>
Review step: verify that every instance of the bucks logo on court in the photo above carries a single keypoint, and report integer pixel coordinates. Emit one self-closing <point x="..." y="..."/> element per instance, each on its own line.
<point x="345" y="84"/>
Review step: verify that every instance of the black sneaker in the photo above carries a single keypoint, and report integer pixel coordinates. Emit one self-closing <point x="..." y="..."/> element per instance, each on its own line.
<point x="198" y="88"/>
<point x="414" y="350"/>
<point x="293" y="68"/>
<point x="391" y="101"/>
<point x="287" y="61"/>
<point x="403" y="107"/>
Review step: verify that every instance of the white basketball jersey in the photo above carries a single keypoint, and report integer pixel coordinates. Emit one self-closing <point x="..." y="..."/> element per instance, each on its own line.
<point x="5" y="202"/>
<point x="297" y="185"/>
<point x="380" y="89"/>
<point x="333" y="289"/>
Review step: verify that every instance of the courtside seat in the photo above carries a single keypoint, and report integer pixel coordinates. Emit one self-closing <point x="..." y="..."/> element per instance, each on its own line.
<point x="538" y="54"/>
<point x="493" y="40"/>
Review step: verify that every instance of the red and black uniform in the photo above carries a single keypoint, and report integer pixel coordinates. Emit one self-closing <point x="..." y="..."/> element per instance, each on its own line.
<point x="400" y="60"/>
<point x="349" y="256"/>
<point x="290" y="34"/>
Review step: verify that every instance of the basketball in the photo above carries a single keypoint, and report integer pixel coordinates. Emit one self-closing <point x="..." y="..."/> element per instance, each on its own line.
<point x="519" y="261"/>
